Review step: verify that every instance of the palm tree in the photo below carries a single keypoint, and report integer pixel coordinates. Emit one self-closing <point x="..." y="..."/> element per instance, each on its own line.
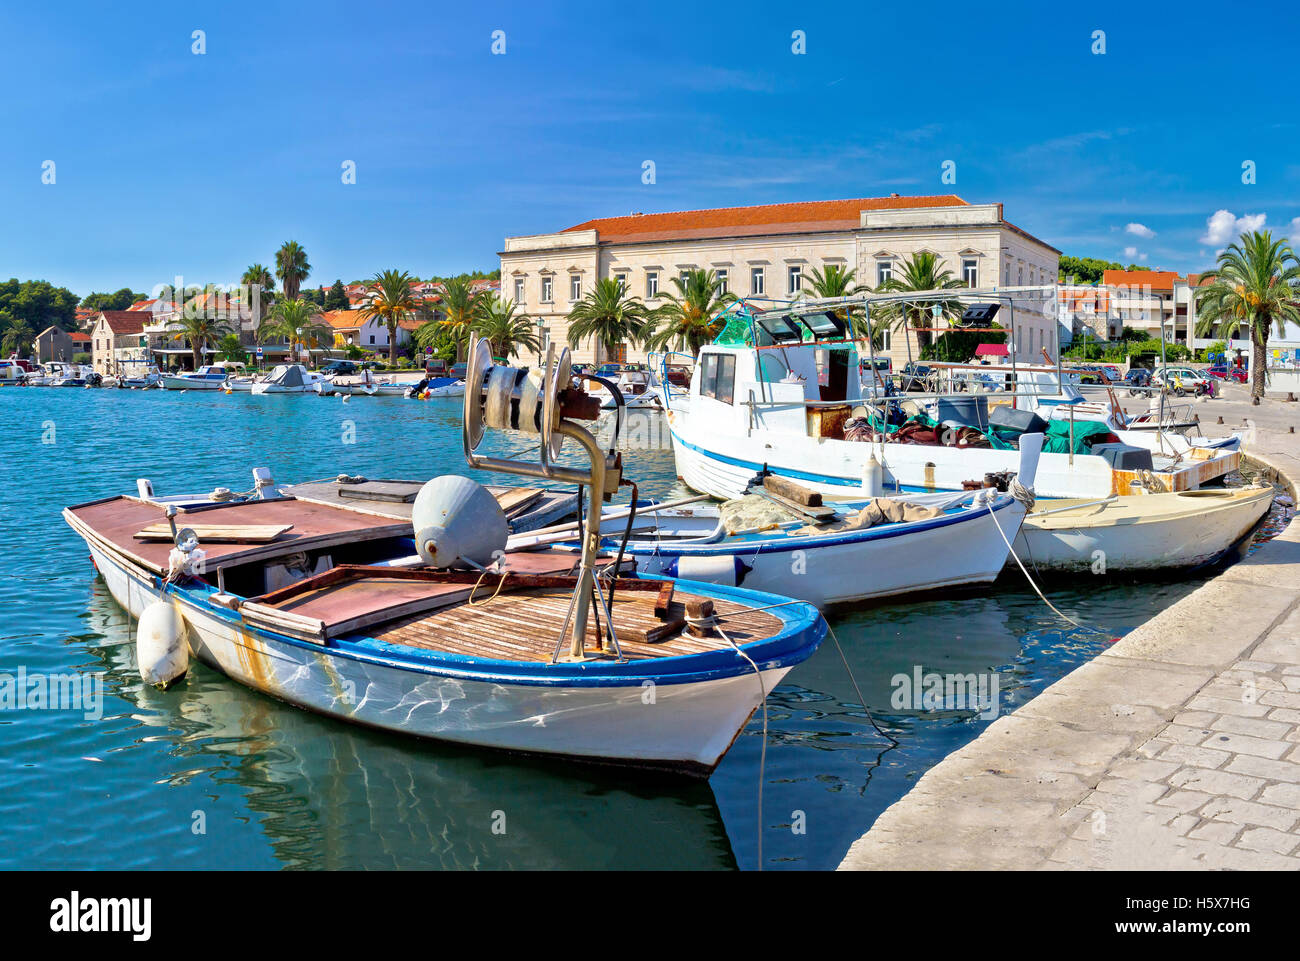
<point x="18" y="337"/>
<point x="460" y="306"/>
<point x="691" y="317"/>
<point x="291" y="267"/>
<point x="1254" y="284"/>
<point x="389" y="297"/>
<point x="258" y="276"/>
<point x="921" y="271"/>
<point x="836" y="281"/>
<point x="295" y="321"/>
<point x="508" y="333"/>
<point x="200" y="325"/>
<point x="609" y="317"/>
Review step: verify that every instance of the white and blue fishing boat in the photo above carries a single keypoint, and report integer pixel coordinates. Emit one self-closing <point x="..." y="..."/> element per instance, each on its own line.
<point x="836" y="554"/>
<point x="429" y="627"/>
<point x="781" y="390"/>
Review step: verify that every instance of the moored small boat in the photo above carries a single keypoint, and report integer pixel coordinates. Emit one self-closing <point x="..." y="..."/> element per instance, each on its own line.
<point x="1140" y="532"/>
<point x="207" y="377"/>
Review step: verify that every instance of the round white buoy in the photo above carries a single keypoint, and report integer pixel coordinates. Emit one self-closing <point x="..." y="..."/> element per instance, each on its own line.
<point x="458" y="523"/>
<point x="162" y="650"/>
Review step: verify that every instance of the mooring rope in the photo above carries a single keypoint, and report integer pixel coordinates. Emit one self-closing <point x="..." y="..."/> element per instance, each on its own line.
<point x="712" y="621"/>
<point x="1025" y="496"/>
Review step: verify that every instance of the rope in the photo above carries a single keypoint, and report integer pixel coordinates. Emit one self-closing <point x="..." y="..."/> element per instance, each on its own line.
<point x="501" y="583"/>
<point x="712" y="621"/>
<point x="1026" y="496"/>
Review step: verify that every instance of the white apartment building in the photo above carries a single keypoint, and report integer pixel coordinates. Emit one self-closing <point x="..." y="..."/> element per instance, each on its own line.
<point x="763" y="254"/>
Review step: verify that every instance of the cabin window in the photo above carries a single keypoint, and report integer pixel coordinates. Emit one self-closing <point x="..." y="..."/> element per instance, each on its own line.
<point x="757" y="286"/>
<point x="970" y="272"/>
<point x="718" y="377"/>
<point x="651" y="284"/>
<point x="519" y="290"/>
<point x="721" y="274"/>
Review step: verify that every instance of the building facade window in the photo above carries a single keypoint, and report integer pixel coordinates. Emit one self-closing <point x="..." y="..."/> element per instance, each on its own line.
<point x="794" y="279"/>
<point x="575" y="287"/>
<point x="1020" y="276"/>
<point x="548" y="289"/>
<point x="757" y="282"/>
<point x="519" y="290"/>
<point x="884" y="272"/>
<point x="684" y="276"/>
<point x="622" y="280"/>
<point x="651" y="284"/>
<point x="970" y="272"/>
<point x="721" y="275"/>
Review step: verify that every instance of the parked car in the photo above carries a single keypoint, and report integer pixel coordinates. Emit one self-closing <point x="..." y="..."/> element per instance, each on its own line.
<point x="1184" y="380"/>
<point x="1224" y="372"/>
<point x="345" y="368"/>
<point x="1116" y="375"/>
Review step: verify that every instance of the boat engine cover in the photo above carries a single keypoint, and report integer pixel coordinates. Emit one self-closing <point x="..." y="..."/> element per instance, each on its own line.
<point x="458" y="523"/>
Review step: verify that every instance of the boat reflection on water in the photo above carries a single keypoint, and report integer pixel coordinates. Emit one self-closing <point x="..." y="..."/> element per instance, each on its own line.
<point x="322" y="794"/>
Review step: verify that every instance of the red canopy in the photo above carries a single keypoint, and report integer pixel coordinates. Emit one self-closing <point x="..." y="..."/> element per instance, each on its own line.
<point x="991" y="350"/>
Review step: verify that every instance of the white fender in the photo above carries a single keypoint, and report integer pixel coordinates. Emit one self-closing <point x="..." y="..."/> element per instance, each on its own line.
<point x="162" y="649"/>
<point x="1031" y="446"/>
<point x="711" y="569"/>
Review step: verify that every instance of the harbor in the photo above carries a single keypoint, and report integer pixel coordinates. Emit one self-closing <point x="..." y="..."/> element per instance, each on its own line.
<point x="825" y="763"/>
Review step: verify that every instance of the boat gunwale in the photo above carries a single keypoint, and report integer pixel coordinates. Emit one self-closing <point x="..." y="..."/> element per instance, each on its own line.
<point x="797" y="542"/>
<point x="802" y="630"/>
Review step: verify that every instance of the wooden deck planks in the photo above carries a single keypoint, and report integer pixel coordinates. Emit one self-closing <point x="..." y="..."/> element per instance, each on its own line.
<point x="525" y="626"/>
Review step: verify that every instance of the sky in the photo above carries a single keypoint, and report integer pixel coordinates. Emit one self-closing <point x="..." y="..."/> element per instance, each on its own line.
<point x="169" y="162"/>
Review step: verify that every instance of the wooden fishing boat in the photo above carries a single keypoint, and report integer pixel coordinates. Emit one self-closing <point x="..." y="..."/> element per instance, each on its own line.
<point x="426" y="626"/>
<point x="1140" y="532"/>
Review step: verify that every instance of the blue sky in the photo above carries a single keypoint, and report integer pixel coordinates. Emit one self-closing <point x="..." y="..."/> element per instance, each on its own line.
<point x="168" y="163"/>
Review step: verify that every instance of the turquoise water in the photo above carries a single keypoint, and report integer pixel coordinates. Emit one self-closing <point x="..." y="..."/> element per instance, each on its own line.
<point x="211" y="774"/>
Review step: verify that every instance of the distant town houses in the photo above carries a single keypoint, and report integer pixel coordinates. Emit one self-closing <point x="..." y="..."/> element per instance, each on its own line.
<point x="1155" y="303"/>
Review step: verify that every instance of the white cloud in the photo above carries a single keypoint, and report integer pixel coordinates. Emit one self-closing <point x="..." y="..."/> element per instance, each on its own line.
<point x="1130" y="252"/>
<point x="1141" y="230"/>
<point x="1223" y="226"/>
<point x="1294" y="231"/>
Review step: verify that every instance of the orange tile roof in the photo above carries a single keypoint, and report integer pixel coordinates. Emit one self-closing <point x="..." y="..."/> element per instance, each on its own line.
<point x="763" y="219"/>
<point x="1155" y="279"/>
<point x="343" y="319"/>
<point x="79" y="337"/>
<point x="143" y="304"/>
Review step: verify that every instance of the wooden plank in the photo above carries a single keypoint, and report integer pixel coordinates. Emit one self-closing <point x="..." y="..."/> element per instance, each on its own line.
<point x="218" y="533"/>
<point x="394" y="492"/>
<point x="664" y="599"/>
<point x="791" y="491"/>
<point x="818" y="514"/>
<point x="514" y="499"/>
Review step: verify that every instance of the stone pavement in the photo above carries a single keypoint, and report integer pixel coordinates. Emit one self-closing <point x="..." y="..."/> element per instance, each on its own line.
<point x="1177" y="748"/>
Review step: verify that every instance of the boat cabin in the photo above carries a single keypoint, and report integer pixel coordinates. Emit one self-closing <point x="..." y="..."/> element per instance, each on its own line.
<point x="806" y="389"/>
